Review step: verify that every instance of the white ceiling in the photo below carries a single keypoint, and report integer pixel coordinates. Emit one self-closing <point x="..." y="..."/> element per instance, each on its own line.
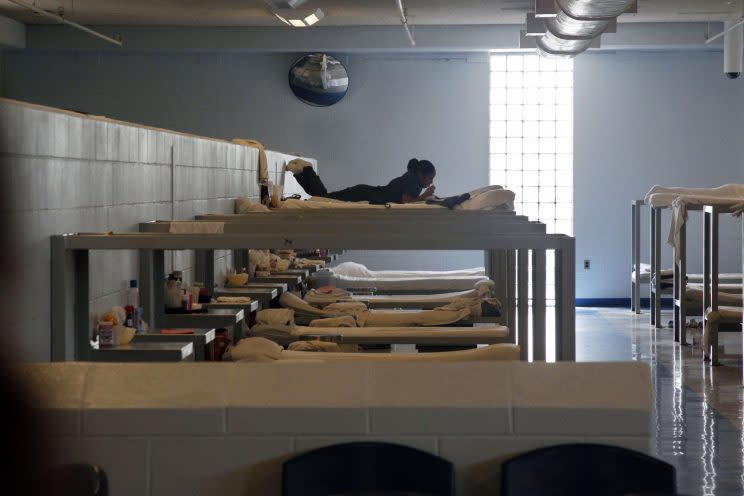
<point x="345" y="12"/>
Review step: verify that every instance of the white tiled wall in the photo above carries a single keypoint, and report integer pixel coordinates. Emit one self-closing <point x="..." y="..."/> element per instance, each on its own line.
<point x="71" y="173"/>
<point x="225" y="429"/>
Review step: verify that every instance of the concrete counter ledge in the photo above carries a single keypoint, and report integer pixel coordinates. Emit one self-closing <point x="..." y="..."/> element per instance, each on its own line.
<point x="226" y="428"/>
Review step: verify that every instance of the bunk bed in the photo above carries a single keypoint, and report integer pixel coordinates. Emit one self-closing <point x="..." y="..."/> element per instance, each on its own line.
<point x="719" y="312"/>
<point x="503" y="235"/>
<point x="679" y="201"/>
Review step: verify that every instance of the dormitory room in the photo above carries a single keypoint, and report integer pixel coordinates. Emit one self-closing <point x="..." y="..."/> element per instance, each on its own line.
<point x="372" y="247"/>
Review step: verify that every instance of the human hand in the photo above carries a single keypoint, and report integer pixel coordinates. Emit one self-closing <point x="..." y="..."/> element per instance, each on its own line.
<point x="429" y="191"/>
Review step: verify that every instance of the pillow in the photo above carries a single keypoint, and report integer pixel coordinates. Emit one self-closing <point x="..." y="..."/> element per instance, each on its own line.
<point x="254" y="350"/>
<point x="352" y="269"/>
<point x="275" y="316"/>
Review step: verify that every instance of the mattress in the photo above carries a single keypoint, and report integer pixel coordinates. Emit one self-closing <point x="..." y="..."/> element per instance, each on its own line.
<point x="263" y="350"/>
<point x="352" y="269"/>
<point x="486" y="198"/>
<point x="694" y="295"/>
<point x="664" y="197"/>
<point x="432" y="336"/>
<point x="439" y="284"/>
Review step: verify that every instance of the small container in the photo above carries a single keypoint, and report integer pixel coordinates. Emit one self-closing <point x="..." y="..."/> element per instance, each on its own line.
<point x="185" y="301"/>
<point x="130" y="316"/>
<point x="276" y="195"/>
<point x="106" y="334"/>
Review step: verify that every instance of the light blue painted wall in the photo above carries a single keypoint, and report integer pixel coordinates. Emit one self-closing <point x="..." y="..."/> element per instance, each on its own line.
<point x="641" y="118"/>
<point x="644" y="118"/>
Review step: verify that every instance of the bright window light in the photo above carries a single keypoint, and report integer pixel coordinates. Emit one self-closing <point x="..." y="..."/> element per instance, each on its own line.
<point x="531" y="139"/>
<point x="297" y="23"/>
<point x="311" y="19"/>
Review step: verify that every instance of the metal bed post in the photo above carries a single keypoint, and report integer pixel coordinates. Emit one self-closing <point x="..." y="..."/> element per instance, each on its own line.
<point x="655" y="292"/>
<point x="635" y="284"/>
<point x="511" y="293"/>
<point x="158" y="296"/>
<point x="523" y="303"/>
<point x="148" y="286"/>
<point x="64" y="274"/>
<point x="204" y="268"/>
<point x="565" y="301"/>
<point x="680" y="288"/>
<point x="538" y="305"/>
<point x="710" y="283"/>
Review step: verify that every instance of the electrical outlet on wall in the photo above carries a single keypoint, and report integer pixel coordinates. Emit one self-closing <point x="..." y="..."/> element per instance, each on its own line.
<point x="587" y="264"/>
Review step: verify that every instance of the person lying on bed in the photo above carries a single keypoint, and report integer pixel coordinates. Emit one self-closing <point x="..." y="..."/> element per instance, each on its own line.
<point x="404" y="189"/>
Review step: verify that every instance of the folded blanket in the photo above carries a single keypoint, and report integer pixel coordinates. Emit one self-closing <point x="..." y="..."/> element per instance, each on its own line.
<point x="323" y="298"/>
<point x="314" y="346"/>
<point x="233" y="299"/>
<point x="254" y="350"/>
<point x="245" y="206"/>
<point x="263" y="163"/>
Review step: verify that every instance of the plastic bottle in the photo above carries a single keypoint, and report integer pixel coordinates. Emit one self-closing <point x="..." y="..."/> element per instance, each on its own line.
<point x="130" y="316"/>
<point x="133" y="294"/>
<point x="105" y="334"/>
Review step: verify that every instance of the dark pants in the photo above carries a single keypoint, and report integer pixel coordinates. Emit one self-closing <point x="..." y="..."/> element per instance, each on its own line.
<point x="313" y="186"/>
<point x="311" y="182"/>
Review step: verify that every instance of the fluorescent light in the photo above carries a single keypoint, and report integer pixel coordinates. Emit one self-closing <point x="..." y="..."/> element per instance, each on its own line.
<point x="282" y="19"/>
<point x="299" y="18"/>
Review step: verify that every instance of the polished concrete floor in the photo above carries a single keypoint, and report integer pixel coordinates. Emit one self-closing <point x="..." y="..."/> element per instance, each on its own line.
<point x="698" y="417"/>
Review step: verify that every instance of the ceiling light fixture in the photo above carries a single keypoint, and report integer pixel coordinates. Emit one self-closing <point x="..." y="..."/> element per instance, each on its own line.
<point x="299" y="18"/>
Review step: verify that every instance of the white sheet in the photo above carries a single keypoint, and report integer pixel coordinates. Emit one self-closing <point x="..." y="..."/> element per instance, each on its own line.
<point x="728" y="196"/>
<point x="353" y="269"/>
<point x="442" y="284"/>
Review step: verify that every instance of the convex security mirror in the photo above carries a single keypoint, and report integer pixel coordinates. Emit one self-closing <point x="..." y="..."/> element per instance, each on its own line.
<point x="318" y="79"/>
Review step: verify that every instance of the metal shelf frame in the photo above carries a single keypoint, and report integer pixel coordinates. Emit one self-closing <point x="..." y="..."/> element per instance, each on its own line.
<point x="505" y="237"/>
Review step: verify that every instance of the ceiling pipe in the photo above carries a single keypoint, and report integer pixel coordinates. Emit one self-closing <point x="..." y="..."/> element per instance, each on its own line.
<point x="404" y="21"/>
<point x="62" y="20"/>
<point x="723" y="33"/>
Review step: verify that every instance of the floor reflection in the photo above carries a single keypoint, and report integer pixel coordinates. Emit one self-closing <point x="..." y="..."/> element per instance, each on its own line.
<point x="698" y="409"/>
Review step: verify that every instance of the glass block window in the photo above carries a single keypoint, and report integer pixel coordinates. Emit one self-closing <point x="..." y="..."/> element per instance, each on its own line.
<point x="531" y="136"/>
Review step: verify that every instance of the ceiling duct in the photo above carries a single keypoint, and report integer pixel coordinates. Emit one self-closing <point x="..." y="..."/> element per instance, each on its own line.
<point x="575" y="25"/>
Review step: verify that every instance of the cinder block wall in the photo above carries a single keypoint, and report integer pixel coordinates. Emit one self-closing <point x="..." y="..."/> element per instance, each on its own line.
<point x="68" y="172"/>
<point x="225" y="428"/>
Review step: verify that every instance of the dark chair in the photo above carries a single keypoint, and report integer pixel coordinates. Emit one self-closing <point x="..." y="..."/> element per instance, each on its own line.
<point x="585" y="469"/>
<point x="362" y="467"/>
<point x="77" y="479"/>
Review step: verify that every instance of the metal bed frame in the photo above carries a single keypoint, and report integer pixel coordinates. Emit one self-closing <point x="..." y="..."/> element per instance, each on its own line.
<point x="447" y="231"/>
<point x="711" y="267"/>
<point x="500" y="264"/>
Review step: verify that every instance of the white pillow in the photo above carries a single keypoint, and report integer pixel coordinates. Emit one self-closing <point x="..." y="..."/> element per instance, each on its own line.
<point x="352" y="269"/>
